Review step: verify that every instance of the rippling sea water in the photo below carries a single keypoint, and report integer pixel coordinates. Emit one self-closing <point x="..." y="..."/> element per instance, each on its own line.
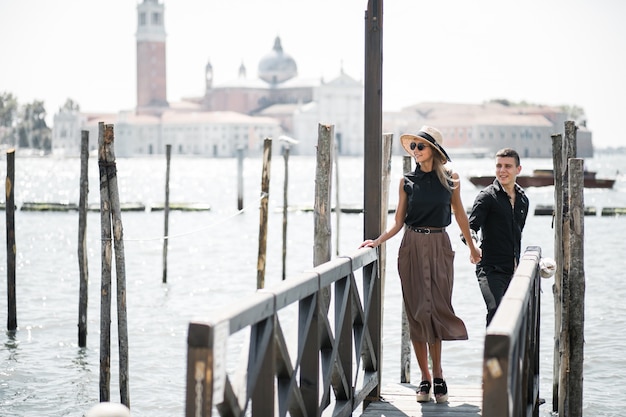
<point x="212" y="260"/>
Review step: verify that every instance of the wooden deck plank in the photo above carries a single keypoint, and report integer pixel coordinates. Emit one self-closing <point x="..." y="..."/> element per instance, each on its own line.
<point x="398" y="400"/>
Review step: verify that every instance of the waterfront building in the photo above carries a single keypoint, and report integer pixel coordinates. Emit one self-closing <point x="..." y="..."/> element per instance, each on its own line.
<point x="482" y="129"/>
<point x="241" y="112"/>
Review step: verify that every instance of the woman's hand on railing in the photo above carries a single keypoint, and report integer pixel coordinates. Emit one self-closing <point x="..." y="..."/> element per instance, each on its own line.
<point x="369" y="243"/>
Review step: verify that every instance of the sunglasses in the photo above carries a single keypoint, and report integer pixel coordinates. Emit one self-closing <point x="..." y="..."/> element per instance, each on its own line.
<point x="420" y="146"/>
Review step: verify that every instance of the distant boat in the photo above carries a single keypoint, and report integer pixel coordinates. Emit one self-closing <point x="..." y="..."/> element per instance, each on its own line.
<point x="544" y="178"/>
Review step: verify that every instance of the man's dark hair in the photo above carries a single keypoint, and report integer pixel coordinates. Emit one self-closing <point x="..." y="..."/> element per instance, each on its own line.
<point x="509" y="153"/>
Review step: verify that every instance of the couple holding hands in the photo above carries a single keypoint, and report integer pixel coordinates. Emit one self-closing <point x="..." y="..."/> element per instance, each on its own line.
<point x="427" y="199"/>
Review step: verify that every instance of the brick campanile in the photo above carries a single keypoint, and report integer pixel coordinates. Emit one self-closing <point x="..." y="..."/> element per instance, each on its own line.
<point x="151" y="75"/>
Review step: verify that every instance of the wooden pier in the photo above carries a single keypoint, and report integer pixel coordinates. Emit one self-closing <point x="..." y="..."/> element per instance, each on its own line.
<point x="398" y="400"/>
<point x="338" y="354"/>
<point x="334" y="366"/>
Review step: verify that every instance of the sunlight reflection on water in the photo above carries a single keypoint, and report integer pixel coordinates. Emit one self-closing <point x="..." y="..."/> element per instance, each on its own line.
<point x="212" y="263"/>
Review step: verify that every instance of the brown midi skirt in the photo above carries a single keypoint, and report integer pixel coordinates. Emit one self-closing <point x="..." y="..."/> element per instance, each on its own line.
<point x="425" y="266"/>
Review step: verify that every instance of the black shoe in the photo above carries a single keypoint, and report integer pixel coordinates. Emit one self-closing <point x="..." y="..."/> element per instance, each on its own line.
<point x="423" y="393"/>
<point x="440" y="390"/>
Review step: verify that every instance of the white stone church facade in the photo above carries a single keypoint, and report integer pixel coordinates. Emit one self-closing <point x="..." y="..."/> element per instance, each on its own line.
<point x="236" y="114"/>
<point x="241" y="113"/>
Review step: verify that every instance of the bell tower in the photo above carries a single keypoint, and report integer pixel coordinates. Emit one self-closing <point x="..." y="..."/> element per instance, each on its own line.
<point x="151" y="74"/>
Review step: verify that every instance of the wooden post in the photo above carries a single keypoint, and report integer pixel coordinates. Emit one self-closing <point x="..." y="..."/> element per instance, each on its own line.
<point x="322" y="243"/>
<point x="557" y="160"/>
<point x="285" y="208"/>
<point x="570" y="140"/>
<point x="387" y="142"/>
<point x="83" y="269"/>
<point x="265" y="194"/>
<point x="337" y="197"/>
<point x="405" y="344"/>
<point x="166" y="209"/>
<point x="323" y="175"/>
<point x="120" y="271"/>
<point x="202" y="369"/>
<point x="105" y="274"/>
<point x="287" y="144"/>
<point x="569" y="151"/>
<point x="372" y="166"/>
<point x="240" y="178"/>
<point x="384" y="207"/>
<point x="11" y="251"/>
<point x="111" y="204"/>
<point x="577" y="287"/>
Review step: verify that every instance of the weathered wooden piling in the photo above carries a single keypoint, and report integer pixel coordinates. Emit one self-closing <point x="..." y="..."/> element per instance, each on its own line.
<point x="11" y="250"/>
<point x="166" y="209"/>
<point x="569" y="278"/>
<point x="372" y="178"/>
<point x="111" y="231"/>
<point x="569" y="151"/>
<point x="83" y="270"/>
<point x="387" y="142"/>
<point x="557" y="160"/>
<point x="287" y="142"/>
<point x="405" y="337"/>
<point x="265" y="194"/>
<point x="322" y="234"/>
<point x="105" y="280"/>
<point x="322" y="243"/>
<point x="576" y="300"/>
<point x="240" y="178"/>
<point x="337" y="197"/>
<point x="285" y="207"/>
<point x="386" y="173"/>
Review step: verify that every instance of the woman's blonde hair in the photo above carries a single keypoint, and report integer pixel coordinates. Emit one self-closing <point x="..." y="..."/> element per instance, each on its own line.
<point x="444" y="174"/>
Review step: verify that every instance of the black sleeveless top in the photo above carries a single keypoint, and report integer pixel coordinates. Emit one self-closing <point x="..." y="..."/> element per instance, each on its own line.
<point x="429" y="200"/>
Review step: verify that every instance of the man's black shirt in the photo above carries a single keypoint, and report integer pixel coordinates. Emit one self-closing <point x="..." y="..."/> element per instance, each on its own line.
<point x="501" y="225"/>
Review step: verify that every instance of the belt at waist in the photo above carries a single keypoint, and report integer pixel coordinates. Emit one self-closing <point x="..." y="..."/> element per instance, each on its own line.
<point x="426" y="230"/>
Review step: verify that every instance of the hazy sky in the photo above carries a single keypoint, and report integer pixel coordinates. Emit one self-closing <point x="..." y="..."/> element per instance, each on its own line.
<point x="542" y="51"/>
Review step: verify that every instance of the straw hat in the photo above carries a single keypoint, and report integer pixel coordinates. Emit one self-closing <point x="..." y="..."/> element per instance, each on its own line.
<point x="430" y="136"/>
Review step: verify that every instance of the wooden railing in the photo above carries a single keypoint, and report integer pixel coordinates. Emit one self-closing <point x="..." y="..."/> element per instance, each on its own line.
<point x="511" y="356"/>
<point x="336" y="360"/>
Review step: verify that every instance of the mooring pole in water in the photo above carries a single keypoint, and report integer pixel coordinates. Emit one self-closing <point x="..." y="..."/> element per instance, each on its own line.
<point x="288" y="141"/>
<point x="106" y="244"/>
<point x="322" y="243"/>
<point x="166" y="209"/>
<point x="571" y="279"/>
<point x="11" y="251"/>
<point x="285" y="208"/>
<point x="405" y="337"/>
<point x="265" y="194"/>
<point x="83" y="270"/>
<point x="322" y="234"/>
<point x="384" y="206"/>
<point x="112" y="230"/>
<point x="337" y="195"/>
<point x="372" y="176"/>
<point x="577" y="286"/>
<point x="240" y="178"/>
<point x="557" y="162"/>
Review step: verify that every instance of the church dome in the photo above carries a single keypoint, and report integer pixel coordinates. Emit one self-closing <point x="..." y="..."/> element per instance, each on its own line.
<point x="277" y="66"/>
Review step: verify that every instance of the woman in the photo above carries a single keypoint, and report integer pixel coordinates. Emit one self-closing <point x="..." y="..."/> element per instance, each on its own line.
<point x="427" y="199"/>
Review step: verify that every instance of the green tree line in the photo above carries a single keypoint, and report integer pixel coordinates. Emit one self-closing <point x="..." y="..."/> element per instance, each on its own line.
<point x="24" y="126"/>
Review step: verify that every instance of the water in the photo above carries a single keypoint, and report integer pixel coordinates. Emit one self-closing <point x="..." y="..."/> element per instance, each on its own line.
<point x="212" y="263"/>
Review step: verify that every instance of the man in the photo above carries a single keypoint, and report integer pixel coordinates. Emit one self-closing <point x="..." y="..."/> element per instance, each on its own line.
<point x="499" y="212"/>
